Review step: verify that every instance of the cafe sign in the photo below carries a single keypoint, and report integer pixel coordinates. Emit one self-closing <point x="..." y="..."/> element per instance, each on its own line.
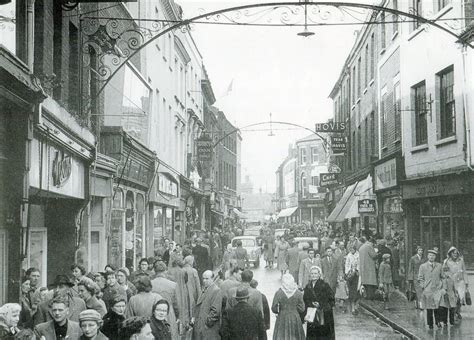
<point x="367" y="206"/>
<point x="328" y="179"/>
<point x="385" y="175"/>
<point x="204" y="146"/>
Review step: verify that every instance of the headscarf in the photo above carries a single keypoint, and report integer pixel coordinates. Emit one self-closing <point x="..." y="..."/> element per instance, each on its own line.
<point x="288" y="285"/>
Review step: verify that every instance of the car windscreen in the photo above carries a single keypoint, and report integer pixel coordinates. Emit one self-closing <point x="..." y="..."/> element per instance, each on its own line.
<point x="245" y="243"/>
<point x="252" y="232"/>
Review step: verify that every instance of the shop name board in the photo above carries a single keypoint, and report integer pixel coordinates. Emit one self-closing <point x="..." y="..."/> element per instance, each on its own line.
<point x="393" y="205"/>
<point x="204" y="148"/>
<point x="338" y="145"/>
<point x="330" y="127"/>
<point x="385" y="175"/>
<point x="62" y="167"/>
<point x="367" y="206"/>
<point x="328" y="179"/>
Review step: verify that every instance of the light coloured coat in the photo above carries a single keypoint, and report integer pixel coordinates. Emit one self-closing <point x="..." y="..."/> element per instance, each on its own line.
<point x="430" y="279"/>
<point x="293" y="253"/>
<point x="46" y="330"/>
<point x="367" y="259"/>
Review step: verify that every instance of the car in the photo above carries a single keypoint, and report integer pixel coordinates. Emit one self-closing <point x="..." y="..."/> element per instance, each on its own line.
<point x="251" y="244"/>
<point x="312" y="241"/>
<point x="280" y="232"/>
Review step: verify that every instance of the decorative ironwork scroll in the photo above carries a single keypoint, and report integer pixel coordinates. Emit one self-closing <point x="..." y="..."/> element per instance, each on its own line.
<point x="114" y="41"/>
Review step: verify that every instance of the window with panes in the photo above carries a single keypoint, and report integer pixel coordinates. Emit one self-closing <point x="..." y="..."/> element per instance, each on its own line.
<point x="419" y="106"/>
<point x="418" y="10"/>
<point x="397" y="103"/>
<point x="395" y="17"/>
<point x="303" y="155"/>
<point x="314" y="155"/>
<point x="447" y="103"/>
<point x="382" y="30"/>
<point x="383" y="119"/>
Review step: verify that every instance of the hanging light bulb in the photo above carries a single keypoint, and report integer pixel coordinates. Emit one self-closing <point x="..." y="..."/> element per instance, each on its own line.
<point x="305" y="33"/>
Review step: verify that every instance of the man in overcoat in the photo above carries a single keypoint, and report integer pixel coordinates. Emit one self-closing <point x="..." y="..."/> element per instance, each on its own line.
<point x="255" y="297"/>
<point x="368" y="274"/>
<point x="201" y="257"/>
<point x="242" y="321"/>
<point x="293" y="253"/>
<point x="412" y="276"/>
<point x="305" y="268"/>
<point x="207" y="312"/>
<point x="330" y="266"/>
<point x="430" y="279"/>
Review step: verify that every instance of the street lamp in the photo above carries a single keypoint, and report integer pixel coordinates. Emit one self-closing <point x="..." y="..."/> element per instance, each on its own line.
<point x="305" y="33"/>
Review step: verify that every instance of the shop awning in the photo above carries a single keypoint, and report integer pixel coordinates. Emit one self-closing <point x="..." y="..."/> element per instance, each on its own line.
<point x="347" y="207"/>
<point x="287" y="212"/>
<point x="336" y="212"/>
<point x="239" y="214"/>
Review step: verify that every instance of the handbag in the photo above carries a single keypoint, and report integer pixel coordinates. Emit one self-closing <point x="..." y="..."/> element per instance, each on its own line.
<point x="310" y="315"/>
<point x="468" y="298"/>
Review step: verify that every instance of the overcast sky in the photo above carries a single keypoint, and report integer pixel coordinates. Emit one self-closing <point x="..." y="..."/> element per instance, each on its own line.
<point x="273" y="71"/>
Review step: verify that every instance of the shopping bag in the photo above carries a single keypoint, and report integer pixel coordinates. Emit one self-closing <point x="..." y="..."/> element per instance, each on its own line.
<point x="310" y="314"/>
<point x="468" y="298"/>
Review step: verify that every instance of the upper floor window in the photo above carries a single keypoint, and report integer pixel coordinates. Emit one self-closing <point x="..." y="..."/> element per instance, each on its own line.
<point x="419" y="105"/>
<point x="442" y="3"/>
<point x="303" y="156"/>
<point x="359" y="62"/>
<point x="382" y="30"/>
<point x="8" y="26"/>
<point x="366" y="65"/>
<point x="314" y="155"/>
<point x="383" y="119"/>
<point x="418" y="10"/>
<point x="447" y="112"/>
<point x="372" y="56"/>
<point x="397" y="103"/>
<point x="395" y="17"/>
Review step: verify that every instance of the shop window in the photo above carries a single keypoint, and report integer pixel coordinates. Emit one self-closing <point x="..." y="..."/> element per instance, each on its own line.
<point x="129" y="230"/>
<point x="116" y="229"/>
<point x="157" y="226"/>
<point x="8" y="26"/>
<point x="97" y="211"/>
<point x="140" y="228"/>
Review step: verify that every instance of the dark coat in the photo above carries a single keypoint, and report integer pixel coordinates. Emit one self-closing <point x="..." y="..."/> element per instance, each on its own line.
<point x="266" y="312"/>
<point x="76" y="306"/>
<point x="322" y="294"/>
<point x="242" y="322"/>
<point x="160" y="329"/>
<point x="111" y="324"/>
<point x="201" y="258"/>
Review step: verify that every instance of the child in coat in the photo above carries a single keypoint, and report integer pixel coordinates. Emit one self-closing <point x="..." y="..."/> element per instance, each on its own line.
<point x="385" y="278"/>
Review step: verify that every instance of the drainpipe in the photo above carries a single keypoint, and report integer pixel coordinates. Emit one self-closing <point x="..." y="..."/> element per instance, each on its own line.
<point x="465" y="110"/>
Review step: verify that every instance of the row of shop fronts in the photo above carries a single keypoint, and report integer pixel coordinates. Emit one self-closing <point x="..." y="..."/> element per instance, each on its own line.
<point x="65" y="199"/>
<point x="435" y="211"/>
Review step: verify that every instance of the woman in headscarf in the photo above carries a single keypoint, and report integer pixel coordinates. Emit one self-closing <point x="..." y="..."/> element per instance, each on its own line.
<point x="282" y="261"/>
<point x="159" y="325"/>
<point x="288" y="304"/>
<point x="456" y="269"/>
<point x="9" y="318"/>
<point x="318" y="294"/>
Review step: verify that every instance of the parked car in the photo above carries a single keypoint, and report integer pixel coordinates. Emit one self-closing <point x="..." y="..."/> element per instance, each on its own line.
<point x="252" y="245"/>
<point x="312" y="241"/>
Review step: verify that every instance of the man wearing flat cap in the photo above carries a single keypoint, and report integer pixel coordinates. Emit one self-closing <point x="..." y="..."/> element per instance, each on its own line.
<point x="242" y="321"/>
<point x="430" y="280"/>
<point x="61" y="286"/>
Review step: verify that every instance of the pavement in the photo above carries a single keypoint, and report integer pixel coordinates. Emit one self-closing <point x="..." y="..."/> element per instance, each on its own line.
<point x="348" y="327"/>
<point x="403" y="317"/>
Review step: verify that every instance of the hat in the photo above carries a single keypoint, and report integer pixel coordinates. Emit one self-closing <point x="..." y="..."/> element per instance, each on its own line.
<point x="386" y="256"/>
<point x="451" y="250"/>
<point x="125" y="271"/>
<point x="116" y="298"/>
<point x="62" y="280"/>
<point x="89" y="315"/>
<point x="382" y="242"/>
<point x="242" y="294"/>
<point x="432" y="251"/>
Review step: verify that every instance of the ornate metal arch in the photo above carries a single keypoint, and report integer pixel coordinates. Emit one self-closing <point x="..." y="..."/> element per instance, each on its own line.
<point x="115" y="41"/>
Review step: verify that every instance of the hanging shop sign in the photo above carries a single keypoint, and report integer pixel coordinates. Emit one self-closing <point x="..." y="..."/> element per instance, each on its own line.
<point x="328" y="179"/>
<point x="338" y="145"/>
<point x="385" y="175"/>
<point x="330" y="127"/>
<point x="367" y="206"/>
<point x="204" y="147"/>
<point x="393" y="205"/>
